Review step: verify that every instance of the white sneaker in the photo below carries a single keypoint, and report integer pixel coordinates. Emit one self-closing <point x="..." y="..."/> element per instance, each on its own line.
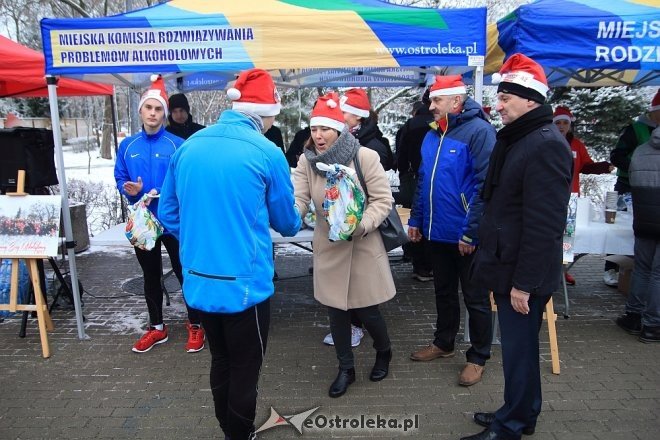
<point x="356" y="337"/>
<point x="611" y="278"/>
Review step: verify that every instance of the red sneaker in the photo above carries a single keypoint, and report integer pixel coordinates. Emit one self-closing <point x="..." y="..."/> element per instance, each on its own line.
<point x="569" y="279"/>
<point x="152" y="337"/>
<point x="196" y="337"/>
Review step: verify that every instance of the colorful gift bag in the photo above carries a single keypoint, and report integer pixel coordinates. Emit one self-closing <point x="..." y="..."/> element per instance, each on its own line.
<point x="343" y="203"/>
<point x="142" y="227"/>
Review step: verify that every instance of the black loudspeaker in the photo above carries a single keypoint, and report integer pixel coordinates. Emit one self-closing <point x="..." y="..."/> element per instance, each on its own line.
<point x="29" y="149"/>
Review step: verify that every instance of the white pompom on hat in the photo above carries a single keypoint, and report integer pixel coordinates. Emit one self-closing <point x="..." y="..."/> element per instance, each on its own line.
<point x="522" y="76"/>
<point x="448" y="85"/>
<point x="156" y="91"/>
<point x="327" y="112"/>
<point x="356" y="102"/>
<point x="254" y="91"/>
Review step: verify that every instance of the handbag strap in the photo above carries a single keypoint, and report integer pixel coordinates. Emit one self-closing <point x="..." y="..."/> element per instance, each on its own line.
<point x="358" y="171"/>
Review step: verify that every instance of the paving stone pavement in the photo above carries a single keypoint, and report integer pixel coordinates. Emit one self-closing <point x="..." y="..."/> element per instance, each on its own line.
<point x="608" y="389"/>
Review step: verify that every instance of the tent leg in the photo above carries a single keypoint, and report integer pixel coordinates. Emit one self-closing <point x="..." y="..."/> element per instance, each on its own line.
<point x="66" y="214"/>
<point x="479" y="84"/>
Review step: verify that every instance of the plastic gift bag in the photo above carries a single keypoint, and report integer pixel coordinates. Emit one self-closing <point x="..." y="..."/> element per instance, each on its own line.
<point x="310" y="218"/>
<point x="142" y="227"/>
<point x="343" y="203"/>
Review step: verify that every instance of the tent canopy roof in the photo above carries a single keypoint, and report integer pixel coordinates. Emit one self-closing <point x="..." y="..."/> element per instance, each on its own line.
<point x="305" y="42"/>
<point x="22" y="74"/>
<point x="583" y="42"/>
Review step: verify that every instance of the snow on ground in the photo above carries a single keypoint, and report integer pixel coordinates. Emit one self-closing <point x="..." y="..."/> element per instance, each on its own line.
<point x="91" y="167"/>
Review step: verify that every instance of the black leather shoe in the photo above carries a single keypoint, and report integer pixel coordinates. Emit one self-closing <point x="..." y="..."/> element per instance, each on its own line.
<point x="630" y="322"/>
<point x="382" y="366"/>
<point x="486" y="418"/>
<point x="341" y="383"/>
<point x="486" y="434"/>
<point x="650" y="334"/>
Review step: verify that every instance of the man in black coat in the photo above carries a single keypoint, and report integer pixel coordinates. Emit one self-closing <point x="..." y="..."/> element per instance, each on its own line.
<point x="408" y="157"/>
<point x="274" y="134"/>
<point x="520" y="259"/>
<point x="180" y="121"/>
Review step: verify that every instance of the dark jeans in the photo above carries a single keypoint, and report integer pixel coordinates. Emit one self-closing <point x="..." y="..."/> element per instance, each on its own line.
<point x="520" y="361"/>
<point x="237" y="342"/>
<point x="448" y="268"/>
<point x="340" y="327"/>
<point x="152" y="269"/>
<point x="644" y="296"/>
<point x="418" y="253"/>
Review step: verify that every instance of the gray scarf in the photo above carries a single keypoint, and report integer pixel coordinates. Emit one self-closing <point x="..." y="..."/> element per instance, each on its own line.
<point x="342" y="152"/>
<point x="254" y="118"/>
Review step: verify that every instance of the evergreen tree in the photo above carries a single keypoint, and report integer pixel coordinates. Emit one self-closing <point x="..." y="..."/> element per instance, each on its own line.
<point x="601" y="113"/>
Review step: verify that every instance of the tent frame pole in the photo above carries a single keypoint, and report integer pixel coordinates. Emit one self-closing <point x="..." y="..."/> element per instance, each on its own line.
<point x="66" y="214"/>
<point x="479" y="84"/>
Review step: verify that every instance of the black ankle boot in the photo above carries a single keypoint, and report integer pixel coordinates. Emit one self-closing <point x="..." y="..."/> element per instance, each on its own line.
<point x="345" y="377"/>
<point x="382" y="365"/>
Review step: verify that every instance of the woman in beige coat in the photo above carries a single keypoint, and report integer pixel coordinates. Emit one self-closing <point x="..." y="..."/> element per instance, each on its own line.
<point x="348" y="275"/>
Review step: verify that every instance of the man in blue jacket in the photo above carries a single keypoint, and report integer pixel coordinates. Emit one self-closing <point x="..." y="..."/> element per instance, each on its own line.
<point x="446" y="211"/>
<point x="141" y="165"/>
<point x="224" y="188"/>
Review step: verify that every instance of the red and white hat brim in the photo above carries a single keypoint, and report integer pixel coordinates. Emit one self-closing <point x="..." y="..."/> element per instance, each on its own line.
<point x="526" y="80"/>
<point x="322" y="121"/>
<point x="451" y="91"/>
<point x="654" y="108"/>
<point x="562" y="118"/>
<point x="153" y="94"/>
<point x="260" y="109"/>
<point x="354" y="110"/>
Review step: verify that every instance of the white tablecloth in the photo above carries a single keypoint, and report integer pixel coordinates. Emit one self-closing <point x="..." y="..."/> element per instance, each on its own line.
<point x="115" y="237"/>
<point x="604" y="238"/>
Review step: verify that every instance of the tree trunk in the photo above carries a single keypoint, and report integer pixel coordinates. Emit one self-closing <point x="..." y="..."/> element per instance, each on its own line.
<point x="106" y="139"/>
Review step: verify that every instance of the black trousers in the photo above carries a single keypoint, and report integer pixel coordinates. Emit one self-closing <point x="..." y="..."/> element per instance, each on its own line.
<point x="340" y="327"/>
<point x="417" y="252"/>
<point x="237" y="342"/>
<point x="520" y="361"/>
<point x="448" y="268"/>
<point x="152" y="269"/>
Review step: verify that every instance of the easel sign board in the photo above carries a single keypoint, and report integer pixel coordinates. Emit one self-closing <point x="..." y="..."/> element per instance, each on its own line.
<point x="29" y="226"/>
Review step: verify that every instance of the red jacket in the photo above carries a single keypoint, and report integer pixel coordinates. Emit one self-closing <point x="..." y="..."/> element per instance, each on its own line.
<point x="582" y="163"/>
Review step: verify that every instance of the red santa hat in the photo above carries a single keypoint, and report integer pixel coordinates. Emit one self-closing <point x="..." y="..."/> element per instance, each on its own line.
<point x="356" y="101"/>
<point x="655" y="103"/>
<point x="562" y="114"/>
<point x="327" y="112"/>
<point x="522" y="76"/>
<point x="254" y="91"/>
<point x="448" y="85"/>
<point x="12" y="121"/>
<point x="157" y="92"/>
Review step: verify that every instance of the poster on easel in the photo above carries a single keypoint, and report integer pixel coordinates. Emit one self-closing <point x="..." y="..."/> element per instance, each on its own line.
<point x="29" y="226"/>
<point x="569" y="231"/>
